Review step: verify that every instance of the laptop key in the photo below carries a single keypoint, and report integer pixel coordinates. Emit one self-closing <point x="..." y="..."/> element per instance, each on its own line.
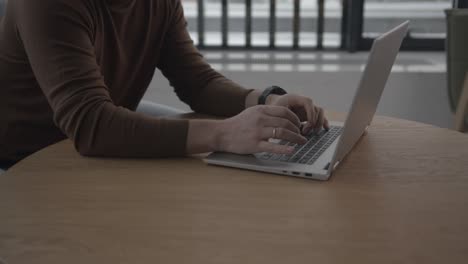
<point x="276" y="157"/>
<point x="295" y="158"/>
<point x="266" y="156"/>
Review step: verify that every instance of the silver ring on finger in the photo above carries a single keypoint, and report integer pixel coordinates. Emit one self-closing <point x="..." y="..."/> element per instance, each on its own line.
<point x="274" y="132"/>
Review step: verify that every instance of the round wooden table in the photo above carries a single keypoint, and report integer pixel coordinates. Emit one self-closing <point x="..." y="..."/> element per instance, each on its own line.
<point x="400" y="197"/>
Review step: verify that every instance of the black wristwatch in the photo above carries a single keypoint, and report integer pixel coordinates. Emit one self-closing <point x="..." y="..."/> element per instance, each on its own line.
<point x="270" y="90"/>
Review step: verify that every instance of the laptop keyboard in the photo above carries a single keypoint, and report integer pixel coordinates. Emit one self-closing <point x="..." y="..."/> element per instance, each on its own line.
<point x="308" y="153"/>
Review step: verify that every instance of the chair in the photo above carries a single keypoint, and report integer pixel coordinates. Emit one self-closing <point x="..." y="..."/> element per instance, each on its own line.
<point x="2" y="7"/>
<point x="462" y="109"/>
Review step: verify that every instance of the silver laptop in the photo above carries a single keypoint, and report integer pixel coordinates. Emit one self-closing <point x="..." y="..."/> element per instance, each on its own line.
<point x="325" y="149"/>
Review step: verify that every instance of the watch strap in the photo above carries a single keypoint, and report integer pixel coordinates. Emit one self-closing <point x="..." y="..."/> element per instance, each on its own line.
<point x="270" y="90"/>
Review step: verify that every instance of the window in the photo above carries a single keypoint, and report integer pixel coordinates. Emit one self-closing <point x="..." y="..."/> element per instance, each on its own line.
<point x="302" y="24"/>
<point x="427" y="17"/>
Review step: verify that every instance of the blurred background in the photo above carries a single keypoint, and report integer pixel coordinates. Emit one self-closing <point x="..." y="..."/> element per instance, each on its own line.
<point x="330" y="17"/>
<point x="318" y="48"/>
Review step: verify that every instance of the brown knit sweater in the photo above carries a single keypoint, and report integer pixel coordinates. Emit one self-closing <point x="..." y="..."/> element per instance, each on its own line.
<point x="79" y="68"/>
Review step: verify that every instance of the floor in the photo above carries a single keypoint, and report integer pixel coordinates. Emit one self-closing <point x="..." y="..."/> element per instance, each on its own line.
<point x="416" y="90"/>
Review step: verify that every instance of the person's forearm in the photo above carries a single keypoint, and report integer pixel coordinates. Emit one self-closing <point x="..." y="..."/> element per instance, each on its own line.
<point x="252" y="98"/>
<point x="203" y="136"/>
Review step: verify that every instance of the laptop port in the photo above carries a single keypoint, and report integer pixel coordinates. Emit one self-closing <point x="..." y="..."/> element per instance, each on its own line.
<point x="296" y="173"/>
<point x="308" y="174"/>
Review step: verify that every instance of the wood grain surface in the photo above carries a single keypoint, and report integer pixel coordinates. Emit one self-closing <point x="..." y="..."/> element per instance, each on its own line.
<point x="400" y="197"/>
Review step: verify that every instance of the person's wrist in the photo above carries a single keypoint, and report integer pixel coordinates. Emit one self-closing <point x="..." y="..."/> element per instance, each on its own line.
<point x="271" y="99"/>
<point x="220" y="131"/>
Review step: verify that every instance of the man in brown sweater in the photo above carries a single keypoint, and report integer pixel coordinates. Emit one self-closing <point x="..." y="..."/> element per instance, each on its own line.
<point x="78" y="69"/>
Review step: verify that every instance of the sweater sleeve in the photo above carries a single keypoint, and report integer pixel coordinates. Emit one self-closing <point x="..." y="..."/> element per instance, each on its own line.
<point x="58" y="39"/>
<point x="194" y="81"/>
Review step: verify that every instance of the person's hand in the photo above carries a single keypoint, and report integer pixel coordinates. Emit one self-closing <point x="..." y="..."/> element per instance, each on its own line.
<point x="304" y="108"/>
<point x="250" y="131"/>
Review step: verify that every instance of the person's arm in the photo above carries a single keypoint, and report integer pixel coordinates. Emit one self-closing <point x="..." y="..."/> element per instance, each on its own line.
<point x="58" y="38"/>
<point x="252" y="98"/>
<point x="194" y="81"/>
<point x="207" y="91"/>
